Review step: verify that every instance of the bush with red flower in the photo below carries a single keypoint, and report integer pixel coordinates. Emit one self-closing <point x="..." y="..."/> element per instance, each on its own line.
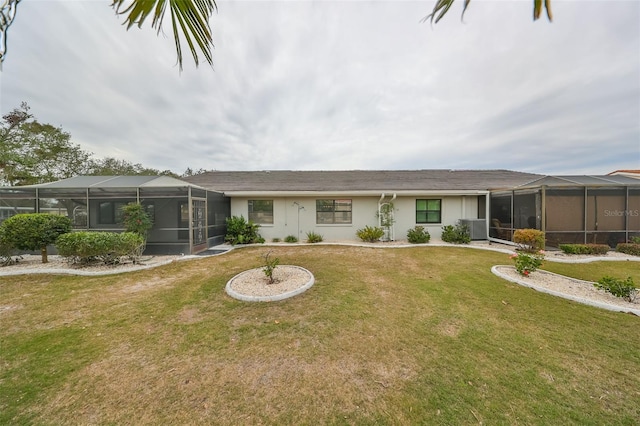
<point x="526" y="263"/>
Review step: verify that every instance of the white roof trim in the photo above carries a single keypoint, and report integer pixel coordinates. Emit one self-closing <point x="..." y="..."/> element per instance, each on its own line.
<point x="343" y="194"/>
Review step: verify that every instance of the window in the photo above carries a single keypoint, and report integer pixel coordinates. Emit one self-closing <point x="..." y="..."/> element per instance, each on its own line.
<point x="110" y="212"/>
<point x="428" y="211"/>
<point x="333" y="212"/>
<point x="261" y="211"/>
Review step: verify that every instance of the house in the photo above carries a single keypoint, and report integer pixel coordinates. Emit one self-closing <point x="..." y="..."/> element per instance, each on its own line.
<point x="186" y="218"/>
<point x="189" y="214"/>
<point x="494" y="203"/>
<point x="335" y="204"/>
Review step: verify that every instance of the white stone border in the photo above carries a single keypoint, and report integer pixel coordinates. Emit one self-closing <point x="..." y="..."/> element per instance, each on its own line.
<point x="525" y="283"/>
<point x="247" y="298"/>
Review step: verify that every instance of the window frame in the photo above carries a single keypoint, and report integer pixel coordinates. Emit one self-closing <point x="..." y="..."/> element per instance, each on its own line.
<point x="427" y="211"/>
<point x="114" y="215"/>
<point x="253" y="215"/>
<point x="332" y="210"/>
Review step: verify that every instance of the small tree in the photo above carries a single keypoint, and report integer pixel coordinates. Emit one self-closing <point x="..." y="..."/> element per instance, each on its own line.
<point x="270" y="266"/>
<point x="136" y="220"/>
<point x="35" y="231"/>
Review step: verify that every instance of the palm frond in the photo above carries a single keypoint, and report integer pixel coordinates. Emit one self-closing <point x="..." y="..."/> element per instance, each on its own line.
<point x="442" y="7"/>
<point x="189" y="19"/>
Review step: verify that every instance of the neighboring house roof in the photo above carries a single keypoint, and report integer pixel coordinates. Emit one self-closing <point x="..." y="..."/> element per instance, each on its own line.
<point x="630" y="173"/>
<point x="116" y="182"/>
<point x="359" y="181"/>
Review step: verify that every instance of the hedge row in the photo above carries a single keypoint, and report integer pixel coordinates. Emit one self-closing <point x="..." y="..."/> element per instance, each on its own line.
<point x="107" y="247"/>
<point x="629" y="248"/>
<point x="584" y="248"/>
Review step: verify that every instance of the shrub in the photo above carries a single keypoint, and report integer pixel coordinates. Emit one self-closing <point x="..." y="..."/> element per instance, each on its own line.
<point x="584" y="248"/>
<point x="529" y="240"/>
<point x="35" y="231"/>
<point x="275" y="240"/>
<point x="6" y="249"/>
<point x="312" y="237"/>
<point x="458" y="234"/>
<point x="136" y="219"/>
<point x="241" y="231"/>
<point x="107" y="247"/>
<point x="619" y="288"/>
<point x="270" y="266"/>
<point x="635" y="240"/>
<point x="527" y="263"/>
<point x="418" y="235"/>
<point x="290" y="239"/>
<point x="628" y="248"/>
<point x="370" y="234"/>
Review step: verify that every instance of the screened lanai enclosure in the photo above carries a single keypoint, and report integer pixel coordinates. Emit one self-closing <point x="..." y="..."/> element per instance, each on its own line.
<point x="569" y="209"/>
<point x="186" y="218"/>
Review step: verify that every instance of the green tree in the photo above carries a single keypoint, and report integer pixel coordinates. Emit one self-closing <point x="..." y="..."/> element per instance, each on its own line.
<point x="189" y="21"/>
<point x="190" y="172"/>
<point x="35" y="231"/>
<point x="110" y="166"/>
<point x="31" y="152"/>
<point x="9" y="142"/>
<point x="442" y="7"/>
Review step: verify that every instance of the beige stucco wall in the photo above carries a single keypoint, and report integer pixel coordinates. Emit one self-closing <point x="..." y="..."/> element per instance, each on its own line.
<point x="289" y="221"/>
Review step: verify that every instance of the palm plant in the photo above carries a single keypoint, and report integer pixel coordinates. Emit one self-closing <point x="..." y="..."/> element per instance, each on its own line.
<point x="189" y="20"/>
<point x="442" y="7"/>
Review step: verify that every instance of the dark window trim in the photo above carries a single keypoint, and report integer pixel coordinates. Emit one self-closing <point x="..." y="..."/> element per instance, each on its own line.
<point x="427" y="211"/>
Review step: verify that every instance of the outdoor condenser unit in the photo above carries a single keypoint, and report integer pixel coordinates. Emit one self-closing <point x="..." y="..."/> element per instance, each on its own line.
<point x="477" y="228"/>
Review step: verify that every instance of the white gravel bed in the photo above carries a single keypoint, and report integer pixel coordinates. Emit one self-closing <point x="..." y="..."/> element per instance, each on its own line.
<point x="568" y="288"/>
<point x="253" y="285"/>
<point x="561" y="257"/>
<point x="32" y="264"/>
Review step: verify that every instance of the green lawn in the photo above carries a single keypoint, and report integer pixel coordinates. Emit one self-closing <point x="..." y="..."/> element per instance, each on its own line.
<point x="395" y="336"/>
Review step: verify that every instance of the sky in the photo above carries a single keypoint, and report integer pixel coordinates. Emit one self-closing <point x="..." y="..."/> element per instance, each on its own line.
<point x="340" y="85"/>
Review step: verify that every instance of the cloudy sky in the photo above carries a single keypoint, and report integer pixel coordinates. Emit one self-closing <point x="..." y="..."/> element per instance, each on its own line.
<point x="337" y="85"/>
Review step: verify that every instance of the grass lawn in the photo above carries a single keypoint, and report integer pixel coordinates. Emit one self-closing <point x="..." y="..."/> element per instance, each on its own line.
<point x="397" y="336"/>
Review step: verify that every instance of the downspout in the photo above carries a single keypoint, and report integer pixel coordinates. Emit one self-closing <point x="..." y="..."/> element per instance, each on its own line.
<point x="487" y="214"/>
<point x="379" y="212"/>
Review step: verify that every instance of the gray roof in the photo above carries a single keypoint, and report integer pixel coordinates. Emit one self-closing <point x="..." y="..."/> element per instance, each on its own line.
<point x="116" y="182"/>
<point x="360" y="180"/>
<point x="582" y="181"/>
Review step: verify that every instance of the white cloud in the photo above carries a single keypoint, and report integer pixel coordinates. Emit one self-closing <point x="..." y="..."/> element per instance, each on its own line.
<point x="341" y="85"/>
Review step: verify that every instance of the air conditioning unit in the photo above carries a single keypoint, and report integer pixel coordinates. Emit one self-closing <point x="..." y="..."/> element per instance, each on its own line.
<point x="477" y="228"/>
